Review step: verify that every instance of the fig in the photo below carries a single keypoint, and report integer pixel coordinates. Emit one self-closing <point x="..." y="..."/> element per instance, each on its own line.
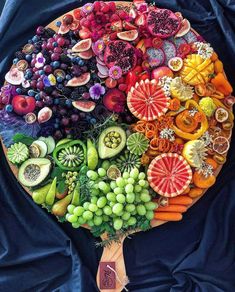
<point x="84" y="106"/>
<point x="129" y="35"/>
<point x="185" y="27"/>
<point x="79" y="81"/>
<point x="86" y="55"/>
<point x="82" y="46"/>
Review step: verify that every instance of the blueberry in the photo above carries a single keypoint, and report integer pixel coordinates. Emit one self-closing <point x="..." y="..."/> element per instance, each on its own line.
<point x="74" y="59"/>
<point x="55" y="44"/>
<point x="15" y="60"/>
<point x="31" y="92"/>
<point x="81" y="63"/>
<point x="41" y="72"/>
<point x="93" y="121"/>
<point x="68" y="77"/>
<point x="38" y="96"/>
<point x="35" y="38"/>
<point x="56" y="101"/>
<point x="56" y="64"/>
<point x="60" y="86"/>
<point x="9" y="108"/>
<point x="58" y="23"/>
<point x="73" y="42"/>
<point x="28" y="57"/>
<point x="59" y="79"/>
<point x="68" y="102"/>
<point x="19" y="90"/>
<point x="56" y="126"/>
<point x="30" y="41"/>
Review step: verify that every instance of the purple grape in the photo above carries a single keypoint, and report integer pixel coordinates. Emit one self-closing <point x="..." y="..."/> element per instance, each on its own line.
<point x="74" y="118"/>
<point x="47" y="69"/>
<point x="48" y="100"/>
<point x="39" y="103"/>
<point x="40" y="85"/>
<point x="63" y="111"/>
<point x="65" y="121"/>
<point x="58" y="135"/>
<point x="58" y="50"/>
<point x="33" y="83"/>
<point x="55" y="57"/>
<point x="40" y="30"/>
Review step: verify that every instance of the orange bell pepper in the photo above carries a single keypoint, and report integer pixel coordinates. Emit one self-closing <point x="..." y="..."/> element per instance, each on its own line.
<point x="222" y="84"/>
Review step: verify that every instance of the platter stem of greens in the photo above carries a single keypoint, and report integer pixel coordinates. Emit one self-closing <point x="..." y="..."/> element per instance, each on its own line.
<point x="118" y="115"/>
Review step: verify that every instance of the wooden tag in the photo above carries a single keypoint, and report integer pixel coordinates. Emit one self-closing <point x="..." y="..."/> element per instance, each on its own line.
<point x="107" y="276"/>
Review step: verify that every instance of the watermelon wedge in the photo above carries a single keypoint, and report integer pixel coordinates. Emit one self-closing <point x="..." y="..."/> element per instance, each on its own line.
<point x="169" y="174"/>
<point x="147" y="101"/>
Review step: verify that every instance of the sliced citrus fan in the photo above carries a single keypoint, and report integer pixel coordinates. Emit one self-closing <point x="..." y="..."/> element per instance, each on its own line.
<point x="169" y="174"/>
<point x="137" y="143"/>
<point x="147" y="101"/>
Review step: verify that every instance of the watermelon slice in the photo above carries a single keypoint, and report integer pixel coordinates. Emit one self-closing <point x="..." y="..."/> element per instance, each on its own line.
<point x="147" y="101"/>
<point x="169" y="174"/>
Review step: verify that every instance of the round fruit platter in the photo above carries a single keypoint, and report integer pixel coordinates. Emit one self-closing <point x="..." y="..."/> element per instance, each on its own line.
<point x="116" y="117"/>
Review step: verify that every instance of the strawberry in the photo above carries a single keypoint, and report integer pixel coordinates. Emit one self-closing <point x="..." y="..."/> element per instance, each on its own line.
<point x="128" y="26"/>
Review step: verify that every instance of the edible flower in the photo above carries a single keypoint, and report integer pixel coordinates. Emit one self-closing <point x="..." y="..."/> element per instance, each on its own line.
<point x="99" y="47"/>
<point x="96" y="91"/>
<point x="115" y="72"/>
<point x="40" y="60"/>
<point x="204" y="49"/>
<point x="87" y="8"/>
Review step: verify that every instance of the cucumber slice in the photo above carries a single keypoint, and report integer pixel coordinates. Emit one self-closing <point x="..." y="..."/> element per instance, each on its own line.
<point x="50" y="142"/>
<point x="42" y="146"/>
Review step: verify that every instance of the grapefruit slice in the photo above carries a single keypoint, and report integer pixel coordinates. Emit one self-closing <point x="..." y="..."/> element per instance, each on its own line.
<point x="147" y="101"/>
<point x="169" y="174"/>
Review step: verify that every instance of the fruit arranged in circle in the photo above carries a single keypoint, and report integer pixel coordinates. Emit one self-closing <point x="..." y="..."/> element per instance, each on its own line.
<point x="169" y="174"/>
<point x="147" y="100"/>
<point x="17" y="153"/>
<point x="221" y="145"/>
<point x="196" y="70"/>
<point x="137" y="143"/>
<point x="195" y="152"/>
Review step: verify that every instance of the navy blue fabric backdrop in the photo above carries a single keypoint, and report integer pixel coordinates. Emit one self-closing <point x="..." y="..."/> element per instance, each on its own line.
<point x="197" y="254"/>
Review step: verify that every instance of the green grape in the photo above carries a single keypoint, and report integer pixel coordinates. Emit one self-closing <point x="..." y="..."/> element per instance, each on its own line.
<point x="126" y="216"/>
<point x="141" y="175"/>
<point x="142" y="182"/>
<point x="94" y="200"/>
<point x="76" y="225"/>
<point x="111" y="197"/>
<point x="121" y="198"/>
<point x="145" y="197"/>
<point x="90" y="184"/>
<point x="130" y="207"/>
<point x="107" y="210"/>
<point x="145" y="191"/>
<point x="81" y="220"/>
<point x="97" y="220"/>
<point x="126" y="181"/>
<point x="146" y="184"/>
<point x="72" y="218"/>
<point x="130" y="198"/>
<point x="131" y="221"/>
<point x="150" y="206"/>
<point x="141" y="210"/>
<point x="105" y="164"/>
<point x="130" y="180"/>
<point x="120" y="214"/>
<point x="67" y="216"/>
<point x="133" y="213"/>
<point x="111" y="204"/>
<point x="102" y="201"/>
<point x="117" y="208"/>
<point x="94" y="192"/>
<point x="137" y="198"/>
<point x="104" y="187"/>
<point x="96" y="186"/>
<point x="118" y="190"/>
<point x="129" y="188"/>
<point x="70" y="208"/>
<point x="99" y="212"/>
<point x="149" y="215"/>
<point x="86" y="205"/>
<point x="126" y="174"/>
<point x="113" y="184"/>
<point x="106" y="218"/>
<point x="120" y="182"/>
<point x="137" y="189"/>
<point x="78" y="211"/>
<point x="117" y="224"/>
<point x="87" y="215"/>
<point x="125" y="225"/>
<point x="101" y="172"/>
<point x="93" y="208"/>
<point x="90" y="223"/>
<point x="134" y="173"/>
<point x="91" y="174"/>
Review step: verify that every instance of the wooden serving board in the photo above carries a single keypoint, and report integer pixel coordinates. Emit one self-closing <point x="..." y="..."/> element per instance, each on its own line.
<point x="112" y="268"/>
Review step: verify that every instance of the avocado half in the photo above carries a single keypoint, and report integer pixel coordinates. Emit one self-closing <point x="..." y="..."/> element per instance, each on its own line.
<point x="108" y="152"/>
<point x="33" y="171"/>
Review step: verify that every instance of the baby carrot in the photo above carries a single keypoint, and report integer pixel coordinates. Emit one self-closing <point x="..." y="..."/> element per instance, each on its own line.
<point x="168" y="216"/>
<point x="172" y="208"/>
<point x="180" y="200"/>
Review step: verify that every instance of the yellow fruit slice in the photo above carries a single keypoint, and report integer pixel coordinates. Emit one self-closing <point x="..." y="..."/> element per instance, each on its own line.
<point x="195" y="152"/>
<point x="181" y="90"/>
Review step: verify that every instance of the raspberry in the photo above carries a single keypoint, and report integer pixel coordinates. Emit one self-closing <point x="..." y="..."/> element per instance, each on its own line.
<point x="97" y="6"/>
<point x="112" y="6"/>
<point x="123" y="14"/>
<point x="114" y="17"/>
<point x="105" y="8"/>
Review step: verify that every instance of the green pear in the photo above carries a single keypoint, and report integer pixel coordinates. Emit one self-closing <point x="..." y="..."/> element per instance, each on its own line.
<point x="92" y="155"/>
<point x="50" y="197"/>
<point x="76" y="195"/>
<point x="39" y="195"/>
<point x="60" y="207"/>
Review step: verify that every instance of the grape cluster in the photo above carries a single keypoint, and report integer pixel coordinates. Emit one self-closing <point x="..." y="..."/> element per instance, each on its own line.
<point x="118" y="202"/>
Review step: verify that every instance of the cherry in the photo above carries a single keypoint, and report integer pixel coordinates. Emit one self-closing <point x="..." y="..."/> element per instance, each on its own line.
<point x="67" y="19"/>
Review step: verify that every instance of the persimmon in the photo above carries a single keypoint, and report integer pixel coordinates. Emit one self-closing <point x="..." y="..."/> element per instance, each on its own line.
<point x="203" y="182"/>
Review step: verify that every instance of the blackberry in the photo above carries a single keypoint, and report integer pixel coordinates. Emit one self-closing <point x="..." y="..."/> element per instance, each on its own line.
<point x="66" y="91"/>
<point x="48" y="90"/>
<point x="49" y="32"/>
<point x="65" y="59"/>
<point x="20" y="55"/>
<point x="76" y="71"/>
<point x="75" y="95"/>
<point x="82" y="89"/>
<point x="38" y="45"/>
<point x="92" y="66"/>
<point x="24" y="91"/>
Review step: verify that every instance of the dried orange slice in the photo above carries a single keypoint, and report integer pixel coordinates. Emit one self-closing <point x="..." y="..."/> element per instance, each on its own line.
<point x="221" y="145"/>
<point x="169" y="174"/>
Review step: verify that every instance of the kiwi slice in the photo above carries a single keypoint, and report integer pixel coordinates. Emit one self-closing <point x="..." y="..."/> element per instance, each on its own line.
<point x="17" y="153"/>
<point x="127" y="162"/>
<point x="71" y="156"/>
<point x="137" y="143"/>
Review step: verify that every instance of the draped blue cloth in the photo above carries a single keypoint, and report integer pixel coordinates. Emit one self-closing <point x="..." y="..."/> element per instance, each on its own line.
<point x="197" y="254"/>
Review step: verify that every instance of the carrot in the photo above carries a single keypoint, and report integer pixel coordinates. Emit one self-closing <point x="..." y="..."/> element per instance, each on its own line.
<point x="172" y="208"/>
<point x="149" y="134"/>
<point x="168" y="216"/>
<point x="195" y="192"/>
<point x="180" y="200"/>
